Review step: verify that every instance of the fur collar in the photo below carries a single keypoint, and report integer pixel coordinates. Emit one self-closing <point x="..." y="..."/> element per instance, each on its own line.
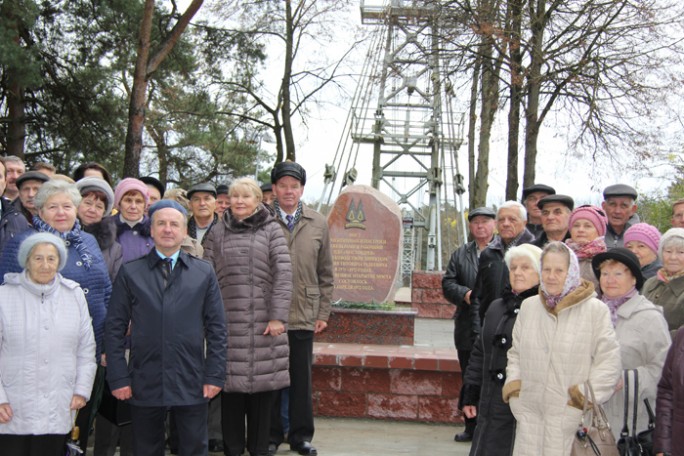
<point x="104" y="232"/>
<point x="583" y="291"/>
<point x="263" y="215"/>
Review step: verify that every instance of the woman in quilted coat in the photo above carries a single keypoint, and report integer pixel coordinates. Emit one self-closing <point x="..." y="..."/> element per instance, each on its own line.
<point x="562" y="338"/>
<point x="250" y="255"/>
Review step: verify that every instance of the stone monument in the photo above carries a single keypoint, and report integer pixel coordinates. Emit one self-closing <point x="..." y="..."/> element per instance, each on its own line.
<point x="366" y="237"/>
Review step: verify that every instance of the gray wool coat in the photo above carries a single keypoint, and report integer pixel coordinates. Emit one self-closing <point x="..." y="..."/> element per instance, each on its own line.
<point x="252" y="263"/>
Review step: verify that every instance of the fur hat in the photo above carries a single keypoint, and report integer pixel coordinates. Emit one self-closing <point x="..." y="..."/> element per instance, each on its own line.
<point x="42" y="238"/>
<point x="643" y="232"/>
<point x="127" y="185"/>
<point x="592" y="213"/>
<point x="95" y="184"/>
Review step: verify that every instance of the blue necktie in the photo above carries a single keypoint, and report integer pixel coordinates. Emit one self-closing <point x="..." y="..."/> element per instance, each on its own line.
<point x="290" y="222"/>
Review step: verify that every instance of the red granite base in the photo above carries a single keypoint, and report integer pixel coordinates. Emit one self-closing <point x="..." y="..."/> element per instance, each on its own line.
<point x="360" y="326"/>
<point x="385" y="382"/>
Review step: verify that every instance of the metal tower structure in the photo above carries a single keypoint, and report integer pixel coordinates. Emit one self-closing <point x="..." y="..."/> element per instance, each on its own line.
<point x="402" y="109"/>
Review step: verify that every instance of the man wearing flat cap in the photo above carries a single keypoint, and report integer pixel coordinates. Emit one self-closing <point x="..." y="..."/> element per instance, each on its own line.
<point x="619" y="204"/>
<point x="555" y="217"/>
<point x="457" y="285"/>
<point x="177" y="326"/>
<point x="307" y="237"/>
<point x="530" y="197"/>
<point x="28" y="185"/>
<point x="203" y="206"/>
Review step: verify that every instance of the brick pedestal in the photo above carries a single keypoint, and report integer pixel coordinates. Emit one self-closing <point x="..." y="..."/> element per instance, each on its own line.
<point x="427" y="297"/>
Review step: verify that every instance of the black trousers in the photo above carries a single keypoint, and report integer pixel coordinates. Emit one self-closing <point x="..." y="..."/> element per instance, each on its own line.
<point x="301" y="402"/>
<point x="257" y="408"/>
<point x="32" y="445"/>
<point x="148" y="429"/>
<point x="464" y="359"/>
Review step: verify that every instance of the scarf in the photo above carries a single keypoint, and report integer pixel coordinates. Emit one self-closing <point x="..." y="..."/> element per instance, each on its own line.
<point x="297" y="214"/>
<point x="588" y="250"/>
<point x="615" y="303"/>
<point x="72" y="238"/>
<point x="665" y="277"/>
<point x="572" y="280"/>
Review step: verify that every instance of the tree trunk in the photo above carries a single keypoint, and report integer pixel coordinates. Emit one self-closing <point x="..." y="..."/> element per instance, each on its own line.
<point x="534" y="81"/>
<point x="472" y="128"/>
<point x="490" y="104"/>
<point x="145" y="66"/>
<point x="515" y="10"/>
<point x="286" y="107"/>
<point x="16" y="130"/>
<point x="136" y="108"/>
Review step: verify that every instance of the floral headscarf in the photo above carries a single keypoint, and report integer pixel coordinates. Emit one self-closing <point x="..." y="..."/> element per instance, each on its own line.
<point x="572" y="280"/>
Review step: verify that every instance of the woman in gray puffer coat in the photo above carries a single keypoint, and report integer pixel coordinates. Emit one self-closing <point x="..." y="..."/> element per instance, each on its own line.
<point x="252" y="262"/>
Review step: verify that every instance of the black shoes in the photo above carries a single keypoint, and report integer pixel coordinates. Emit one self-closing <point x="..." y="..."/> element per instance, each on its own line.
<point x="304" y="448"/>
<point x="272" y="449"/>
<point x="463" y="437"/>
<point x="215" y="446"/>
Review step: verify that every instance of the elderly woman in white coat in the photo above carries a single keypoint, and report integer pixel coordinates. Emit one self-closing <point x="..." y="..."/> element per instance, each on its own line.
<point x="562" y="338"/>
<point x="47" y="351"/>
<point x="641" y="331"/>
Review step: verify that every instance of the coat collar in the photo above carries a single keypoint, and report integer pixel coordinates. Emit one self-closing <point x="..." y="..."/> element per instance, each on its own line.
<point x="584" y="291"/>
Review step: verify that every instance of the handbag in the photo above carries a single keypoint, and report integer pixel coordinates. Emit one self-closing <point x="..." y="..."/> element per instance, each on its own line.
<point x="116" y="411"/>
<point x="596" y="438"/>
<point x="631" y="443"/>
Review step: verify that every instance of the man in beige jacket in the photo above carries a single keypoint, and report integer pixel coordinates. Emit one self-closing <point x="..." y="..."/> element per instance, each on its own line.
<point x="307" y="236"/>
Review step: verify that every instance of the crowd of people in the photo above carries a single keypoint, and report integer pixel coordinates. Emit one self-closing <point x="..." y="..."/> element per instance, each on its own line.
<point x="551" y="298"/>
<point x="192" y="312"/>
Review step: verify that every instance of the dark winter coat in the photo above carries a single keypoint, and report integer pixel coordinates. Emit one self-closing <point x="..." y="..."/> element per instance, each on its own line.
<point x="458" y="280"/>
<point x="486" y="373"/>
<point x="669" y="430"/>
<point x="492" y="273"/>
<point x="12" y="222"/>
<point x="94" y="281"/>
<point x="105" y="235"/>
<point x="169" y="360"/>
<point x="253" y="267"/>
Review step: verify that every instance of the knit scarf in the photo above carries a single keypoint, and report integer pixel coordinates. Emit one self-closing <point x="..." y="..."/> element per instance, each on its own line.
<point x="572" y="281"/>
<point x="615" y="303"/>
<point x="588" y="250"/>
<point x="297" y="214"/>
<point x="665" y="277"/>
<point x="72" y="238"/>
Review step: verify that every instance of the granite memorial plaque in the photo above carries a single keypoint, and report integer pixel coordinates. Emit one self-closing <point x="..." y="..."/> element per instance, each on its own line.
<point x="366" y="236"/>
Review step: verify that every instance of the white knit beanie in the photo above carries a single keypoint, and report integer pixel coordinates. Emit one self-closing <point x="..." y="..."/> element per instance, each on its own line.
<point x="42" y="238"/>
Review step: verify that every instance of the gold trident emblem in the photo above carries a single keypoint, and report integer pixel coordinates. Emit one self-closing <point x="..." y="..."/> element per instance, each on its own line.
<point x="355" y="216"/>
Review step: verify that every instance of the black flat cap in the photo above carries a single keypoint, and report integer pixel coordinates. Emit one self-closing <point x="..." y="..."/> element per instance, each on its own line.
<point x="288" y="168"/>
<point x="154" y="182"/>
<point x="203" y="187"/>
<point x="624" y="256"/>
<point x="487" y="212"/>
<point x="266" y="187"/>
<point x="537" y="188"/>
<point x="620" y="190"/>
<point x="563" y="199"/>
<point x="222" y="189"/>
<point x="32" y="175"/>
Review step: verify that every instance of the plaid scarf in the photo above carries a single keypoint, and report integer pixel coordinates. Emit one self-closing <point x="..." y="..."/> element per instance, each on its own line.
<point x="297" y="214"/>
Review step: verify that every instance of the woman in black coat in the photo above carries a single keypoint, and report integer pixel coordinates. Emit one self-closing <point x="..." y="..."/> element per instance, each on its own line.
<point x="486" y="372"/>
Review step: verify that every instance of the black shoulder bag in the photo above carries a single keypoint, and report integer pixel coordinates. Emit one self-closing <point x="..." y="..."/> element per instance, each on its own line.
<point x="631" y="443"/>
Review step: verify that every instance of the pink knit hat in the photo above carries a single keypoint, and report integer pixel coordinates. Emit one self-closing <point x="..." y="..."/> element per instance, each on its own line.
<point x="643" y="232"/>
<point x="592" y="213"/>
<point x="127" y="185"/>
